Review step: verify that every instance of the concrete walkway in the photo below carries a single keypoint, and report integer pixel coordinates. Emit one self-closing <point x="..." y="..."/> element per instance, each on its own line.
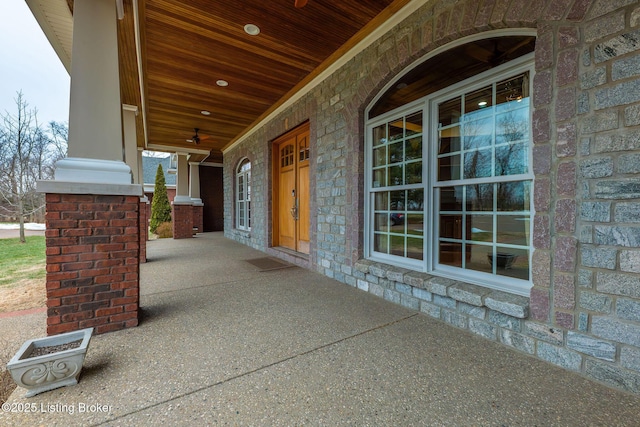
<point x="223" y="343"/>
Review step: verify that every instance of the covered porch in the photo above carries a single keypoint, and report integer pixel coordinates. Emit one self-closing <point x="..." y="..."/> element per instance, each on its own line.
<point x="222" y="341"/>
<point x="396" y="146"/>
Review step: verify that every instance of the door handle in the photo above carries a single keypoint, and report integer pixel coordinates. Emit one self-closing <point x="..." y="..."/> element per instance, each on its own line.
<point x="294" y="210"/>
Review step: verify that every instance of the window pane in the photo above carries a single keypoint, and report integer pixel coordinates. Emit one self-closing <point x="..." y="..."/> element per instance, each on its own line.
<point x="415" y="200"/>
<point x="380" y="156"/>
<point x="477" y="164"/>
<point x="241" y="216"/>
<point x="381" y="222"/>
<point x="397" y="222"/>
<point x="512" y="262"/>
<point x="450" y="112"/>
<point x="477" y="258"/>
<point x="478" y="102"/>
<point x="379" y="178"/>
<point x="449" y="140"/>
<point x="450" y="254"/>
<point x="479" y="197"/>
<point x="513" y="229"/>
<point x="514" y="196"/>
<point x="415" y="224"/>
<point x="396" y="130"/>
<point x="413" y="149"/>
<point x="414" y="124"/>
<point x="415" y="248"/>
<point x="379" y="135"/>
<point x="381" y="201"/>
<point x="451" y="226"/>
<point x="478" y="133"/>
<point x="414" y="173"/>
<point x="451" y="198"/>
<point x="398" y="200"/>
<point x="396" y="152"/>
<point x="395" y="175"/>
<point x="481" y="228"/>
<point x="397" y="245"/>
<point x="248" y="185"/>
<point x="512" y="159"/>
<point x="381" y="243"/>
<point x="449" y="168"/>
<point x="512" y="126"/>
<point x="511" y="91"/>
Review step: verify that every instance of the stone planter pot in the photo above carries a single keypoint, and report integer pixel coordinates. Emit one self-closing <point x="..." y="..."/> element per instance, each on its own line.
<point x="49" y="371"/>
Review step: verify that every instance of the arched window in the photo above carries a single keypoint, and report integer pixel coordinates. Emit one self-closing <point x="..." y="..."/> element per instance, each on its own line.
<point x="448" y="163"/>
<point x="243" y="195"/>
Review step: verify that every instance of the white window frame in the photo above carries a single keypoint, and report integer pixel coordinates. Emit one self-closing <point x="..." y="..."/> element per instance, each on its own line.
<point x="428" y="105"/>
<point x="243" y="195"/>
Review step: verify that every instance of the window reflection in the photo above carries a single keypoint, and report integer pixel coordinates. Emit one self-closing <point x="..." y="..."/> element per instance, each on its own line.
<point x="474" y="219"/>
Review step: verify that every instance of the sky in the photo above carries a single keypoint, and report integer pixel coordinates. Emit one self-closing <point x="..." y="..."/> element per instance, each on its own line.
<point x="29" y="63"/>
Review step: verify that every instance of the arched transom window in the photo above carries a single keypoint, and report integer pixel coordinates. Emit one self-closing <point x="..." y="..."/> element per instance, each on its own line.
<point x="449" y="180"/>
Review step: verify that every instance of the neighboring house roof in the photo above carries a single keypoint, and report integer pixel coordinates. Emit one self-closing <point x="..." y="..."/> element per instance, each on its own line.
<point x="149" y="168"/>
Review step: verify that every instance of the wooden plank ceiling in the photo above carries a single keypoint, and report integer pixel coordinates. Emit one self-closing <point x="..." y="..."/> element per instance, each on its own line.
<point x="187" y="46"/>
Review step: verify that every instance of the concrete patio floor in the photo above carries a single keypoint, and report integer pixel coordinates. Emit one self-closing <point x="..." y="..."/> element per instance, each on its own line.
<point x="223" y="343"/>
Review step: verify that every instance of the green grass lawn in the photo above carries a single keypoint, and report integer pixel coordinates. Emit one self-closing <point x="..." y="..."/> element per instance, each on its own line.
<point x="20" y="261"/>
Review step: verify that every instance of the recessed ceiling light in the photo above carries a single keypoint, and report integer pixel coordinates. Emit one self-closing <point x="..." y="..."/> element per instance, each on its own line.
<point x="482" y="103"/>
<point x="222" y="83"/>
<point x="251" y="29"/>
<point x="401" y="85"/>
<point x="205" y="113"/>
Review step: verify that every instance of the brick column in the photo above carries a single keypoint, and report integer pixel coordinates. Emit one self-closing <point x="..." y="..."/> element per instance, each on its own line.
<point x="182" y="221"/>
<point x="194" y="193"/>
<point x="92" y="254"/>
<point x="144" y="228"/>
<point x="198" y="216"/>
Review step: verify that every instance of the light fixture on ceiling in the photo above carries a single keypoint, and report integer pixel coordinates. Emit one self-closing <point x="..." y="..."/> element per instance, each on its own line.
<point x="222" y="83"/>
<point x="205" y="113"/>
<point x="401" y="85"/>
<point x="252" y="29"/>
<point x="482" y="104"/>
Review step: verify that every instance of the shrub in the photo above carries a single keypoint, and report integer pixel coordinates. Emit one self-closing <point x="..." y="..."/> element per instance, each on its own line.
<point x="165" y="230"/>
<point x="160" y="206"/>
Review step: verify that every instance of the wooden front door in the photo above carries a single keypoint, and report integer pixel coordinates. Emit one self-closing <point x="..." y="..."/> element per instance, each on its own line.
<point x="291" y="190"/>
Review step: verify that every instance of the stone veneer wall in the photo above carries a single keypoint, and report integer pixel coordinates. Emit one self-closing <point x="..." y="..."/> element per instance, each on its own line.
<point x="92" y="249"/>
<point x="584" y="310"/>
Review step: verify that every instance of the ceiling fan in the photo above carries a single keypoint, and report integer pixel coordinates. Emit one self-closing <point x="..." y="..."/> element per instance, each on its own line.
<point x="197" y="138"/>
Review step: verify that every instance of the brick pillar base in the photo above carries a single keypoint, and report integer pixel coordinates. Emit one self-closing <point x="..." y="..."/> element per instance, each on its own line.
<point x="92" y="256"/>
<point x="198" y="217"/>
<point x="182" y="221"/>
<point x="144" y="229"/>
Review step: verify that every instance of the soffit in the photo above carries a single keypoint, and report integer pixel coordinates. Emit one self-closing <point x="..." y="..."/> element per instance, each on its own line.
<point x="186" y="47"/>
<point x="56" y="21"/>
<point x="189" y="46"/>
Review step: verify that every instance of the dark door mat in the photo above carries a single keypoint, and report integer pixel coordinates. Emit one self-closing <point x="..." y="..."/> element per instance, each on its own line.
<point x="268" y="263"/>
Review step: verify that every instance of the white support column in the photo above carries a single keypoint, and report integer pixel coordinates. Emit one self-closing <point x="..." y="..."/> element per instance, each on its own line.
<point x="194" y="183"/>
<point x="129" y="114"/>
<point x="96" y="160"/>
<point x="182" y="181"/>
<point x="140" y="167"/>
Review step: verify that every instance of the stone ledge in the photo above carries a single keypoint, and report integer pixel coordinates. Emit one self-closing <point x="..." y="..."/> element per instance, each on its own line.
<point x="512" y="305"/>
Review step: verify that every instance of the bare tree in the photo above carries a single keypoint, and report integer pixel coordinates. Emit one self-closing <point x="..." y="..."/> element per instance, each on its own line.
<point x="27" y="153"/>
